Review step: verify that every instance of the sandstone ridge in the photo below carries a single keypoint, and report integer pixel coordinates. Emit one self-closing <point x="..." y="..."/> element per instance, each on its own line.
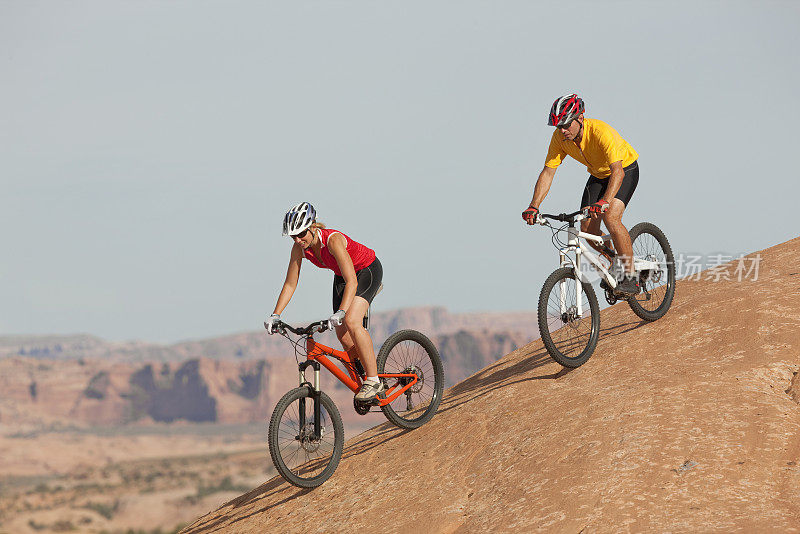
<point x="433" y="321"/>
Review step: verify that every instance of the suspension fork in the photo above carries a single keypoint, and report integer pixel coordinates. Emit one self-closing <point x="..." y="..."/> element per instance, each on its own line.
<point x="573" y="243"/>
<point x="315" y="396"/>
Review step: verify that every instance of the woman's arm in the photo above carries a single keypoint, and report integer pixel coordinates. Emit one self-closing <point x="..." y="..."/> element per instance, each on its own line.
<point x="338" y="247"/>
<point x="292" y="276"/>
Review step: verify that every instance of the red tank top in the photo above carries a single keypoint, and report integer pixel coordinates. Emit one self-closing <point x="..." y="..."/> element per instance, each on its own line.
<point x="362" y="256"/>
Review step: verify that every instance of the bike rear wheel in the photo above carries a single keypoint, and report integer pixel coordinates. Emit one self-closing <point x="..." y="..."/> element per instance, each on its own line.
<point x="406" y="352"/>
<point x="568" y="338"/>
<point x="301" y="458"/>
<point x="658" y="287"/>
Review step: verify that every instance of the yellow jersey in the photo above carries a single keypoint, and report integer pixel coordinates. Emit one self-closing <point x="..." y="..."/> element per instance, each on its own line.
<point x="600" y="146"/>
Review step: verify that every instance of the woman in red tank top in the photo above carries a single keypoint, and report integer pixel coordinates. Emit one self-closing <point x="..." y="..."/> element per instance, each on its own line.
<point x="357" y="278"/>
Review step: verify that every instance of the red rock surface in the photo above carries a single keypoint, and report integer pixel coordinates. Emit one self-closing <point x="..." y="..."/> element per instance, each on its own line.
<point x="688" y="424"/>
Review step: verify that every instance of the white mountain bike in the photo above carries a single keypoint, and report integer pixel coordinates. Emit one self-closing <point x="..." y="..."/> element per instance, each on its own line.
<point x="569" y="315"/>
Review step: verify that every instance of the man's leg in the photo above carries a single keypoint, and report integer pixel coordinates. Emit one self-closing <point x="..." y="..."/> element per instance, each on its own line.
<point x="594" y="190"/>
<point x="592" y="226"/>
<point x="622" y="239"/>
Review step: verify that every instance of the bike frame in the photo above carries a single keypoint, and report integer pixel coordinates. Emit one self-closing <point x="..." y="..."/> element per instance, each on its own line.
<point x="576" y="247"/>
<point x="317" y="353"/>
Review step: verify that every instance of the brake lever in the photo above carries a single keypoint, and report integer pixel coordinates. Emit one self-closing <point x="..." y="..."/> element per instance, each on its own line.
<point x="278" y="328"/>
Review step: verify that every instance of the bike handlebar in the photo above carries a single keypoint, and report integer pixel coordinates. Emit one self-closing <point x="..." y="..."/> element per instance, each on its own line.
<point x="565" y="217"/>
<point x="315" y="327"/>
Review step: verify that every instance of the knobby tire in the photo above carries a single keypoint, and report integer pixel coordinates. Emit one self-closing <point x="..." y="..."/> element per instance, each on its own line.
<point x="400" y="351"/>
<point x="648" y="236"/>
<point x="568" y="342"/>
<point x="295" y="460"/>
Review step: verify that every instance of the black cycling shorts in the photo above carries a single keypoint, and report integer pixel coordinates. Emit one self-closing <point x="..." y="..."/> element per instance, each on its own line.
<point x="596" y="187"/>
<point x="369" y="281"/>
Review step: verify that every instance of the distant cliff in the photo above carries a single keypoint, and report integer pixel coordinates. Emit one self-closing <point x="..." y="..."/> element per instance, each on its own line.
<point x="92" y="392"/>
<point x="81" y="381"/>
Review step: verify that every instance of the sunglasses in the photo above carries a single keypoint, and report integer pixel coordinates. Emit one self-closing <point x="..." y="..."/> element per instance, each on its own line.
<point x="301" y="235"/>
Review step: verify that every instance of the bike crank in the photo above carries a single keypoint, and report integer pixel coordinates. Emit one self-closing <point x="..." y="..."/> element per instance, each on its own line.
<point x="361" y="408"/>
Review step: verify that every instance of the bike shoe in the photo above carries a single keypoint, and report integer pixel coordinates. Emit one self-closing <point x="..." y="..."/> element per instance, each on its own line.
<point x="369" y="391"/>
<point x="628" y="287"/>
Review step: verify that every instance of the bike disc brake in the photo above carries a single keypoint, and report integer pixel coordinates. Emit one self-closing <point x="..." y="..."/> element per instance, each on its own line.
<point x="413" y="370"/>
<point x="306" y="438"/>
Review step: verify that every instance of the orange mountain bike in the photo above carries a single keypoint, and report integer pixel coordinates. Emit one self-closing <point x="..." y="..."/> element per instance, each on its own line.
<point x="306" y="434"/>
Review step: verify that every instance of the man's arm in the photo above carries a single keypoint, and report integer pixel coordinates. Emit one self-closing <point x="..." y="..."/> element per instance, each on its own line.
<point x="614" y="181"/>
<point x="542" y="187"/>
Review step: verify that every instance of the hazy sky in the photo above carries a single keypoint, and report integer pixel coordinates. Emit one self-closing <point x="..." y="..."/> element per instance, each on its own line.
<point x="148" y="150"/>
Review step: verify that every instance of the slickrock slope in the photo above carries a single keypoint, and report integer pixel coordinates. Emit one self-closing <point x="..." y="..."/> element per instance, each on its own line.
<point x="688" y="424"/>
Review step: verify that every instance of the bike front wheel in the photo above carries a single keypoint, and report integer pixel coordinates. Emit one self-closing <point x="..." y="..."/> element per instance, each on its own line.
<point x="411" y="352"/>
<point x="302" y="456"/>
<point x="658" y="285"/>
<point x="569" y="337"/>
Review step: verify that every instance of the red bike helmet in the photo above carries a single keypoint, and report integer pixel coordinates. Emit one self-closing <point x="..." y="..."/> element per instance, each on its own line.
<point x="565" y="109"/>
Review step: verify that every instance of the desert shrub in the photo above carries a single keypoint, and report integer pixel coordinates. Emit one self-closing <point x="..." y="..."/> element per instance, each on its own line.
<point x="62" y="526"/>
<point x="98" y="386"/>
<point x="226" y="484"/>
<point x="36" y="526"/>
<point x="106" y="510"/>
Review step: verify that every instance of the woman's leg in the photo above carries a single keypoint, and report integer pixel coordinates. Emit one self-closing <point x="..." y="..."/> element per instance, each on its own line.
<point x="341" y="331"/>
<point x="347" y="342"/>
<point x="355" y="336"/>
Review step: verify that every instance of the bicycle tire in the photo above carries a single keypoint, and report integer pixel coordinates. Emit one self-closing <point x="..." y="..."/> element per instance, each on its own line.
<point x="666" y="291"/>
<point x="398" y="353"/>
<point x="554" y="326"/>
<point x="291" y="448"/>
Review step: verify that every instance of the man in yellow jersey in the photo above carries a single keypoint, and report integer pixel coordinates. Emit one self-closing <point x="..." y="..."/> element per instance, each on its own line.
<point x="613" y="176"/>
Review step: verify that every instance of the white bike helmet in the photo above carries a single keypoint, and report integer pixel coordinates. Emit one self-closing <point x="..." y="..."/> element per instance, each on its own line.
<point x="564" y="110"/>
<point x="298" y="219"/>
